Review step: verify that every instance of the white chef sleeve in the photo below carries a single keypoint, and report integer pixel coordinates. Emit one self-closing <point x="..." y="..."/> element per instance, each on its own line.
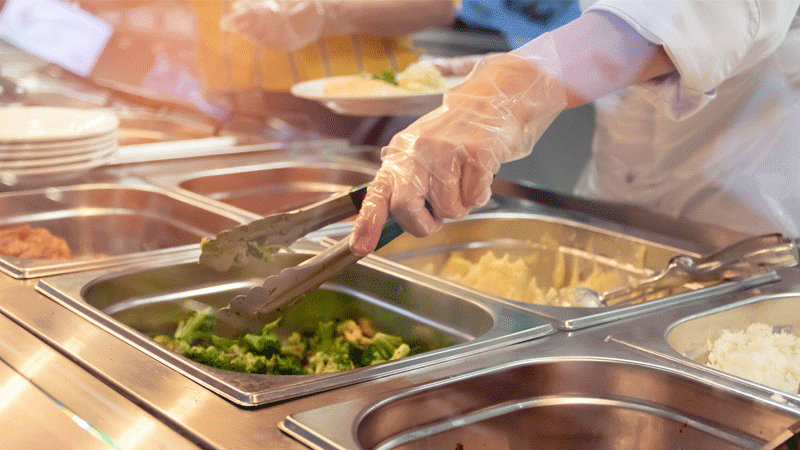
<point x="709" y="41"/>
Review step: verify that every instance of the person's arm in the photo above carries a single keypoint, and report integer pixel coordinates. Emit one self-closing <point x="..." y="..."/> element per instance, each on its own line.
<point x="613" y="53"/>
<point x="449" y="156"/>
<point x="600" y="53"/>
<point x="389" y="18"/>
<point x="292" y="24"/>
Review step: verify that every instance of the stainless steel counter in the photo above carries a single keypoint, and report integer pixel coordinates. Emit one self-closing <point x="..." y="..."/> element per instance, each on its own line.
<point x="138" y="403"/>
<point x="164" y="397"/>
<point x="65" y="361"/>
<point x="49" y="401"/>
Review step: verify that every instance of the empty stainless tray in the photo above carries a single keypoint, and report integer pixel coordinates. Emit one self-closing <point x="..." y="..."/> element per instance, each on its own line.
<point x="272" y="187"/>
<point x="136" y="303"/>
<point x="109" y="224"/>
<point x="575" y="403"/>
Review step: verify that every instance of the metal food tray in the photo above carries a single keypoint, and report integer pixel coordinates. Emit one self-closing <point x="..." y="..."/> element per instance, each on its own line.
<point x="582" y="244"/>
<point x="610" y="400"/>
<point x="447" y="323"/>
<point x="107" y="224"/>
<point x="270" y="187"/>
<point x="681" y="335"/>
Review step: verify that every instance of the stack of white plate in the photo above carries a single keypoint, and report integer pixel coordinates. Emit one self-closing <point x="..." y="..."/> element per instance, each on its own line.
<point x="41" y="145"/>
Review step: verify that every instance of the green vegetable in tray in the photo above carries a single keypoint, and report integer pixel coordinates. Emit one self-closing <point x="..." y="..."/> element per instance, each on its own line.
<point x="335" y="346"/>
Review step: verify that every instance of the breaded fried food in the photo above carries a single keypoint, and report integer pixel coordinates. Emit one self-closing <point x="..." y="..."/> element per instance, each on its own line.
<point x="33" y="243"/>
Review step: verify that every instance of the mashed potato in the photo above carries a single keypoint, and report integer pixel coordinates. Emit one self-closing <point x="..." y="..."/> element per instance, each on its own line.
<point x="757" y="354"/>
<point x="516" y="278"/>
<point x="416" y="78"/>
<point x="421" y="78"/>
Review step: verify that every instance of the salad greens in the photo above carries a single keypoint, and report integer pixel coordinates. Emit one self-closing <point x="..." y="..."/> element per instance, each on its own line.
<point x="335" y="346"/>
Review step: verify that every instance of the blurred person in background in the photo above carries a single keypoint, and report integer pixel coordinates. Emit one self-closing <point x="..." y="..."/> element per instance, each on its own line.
<point x="254" y="50"/>
<point x="697" y="109"/>
<point x="248" y="53"/>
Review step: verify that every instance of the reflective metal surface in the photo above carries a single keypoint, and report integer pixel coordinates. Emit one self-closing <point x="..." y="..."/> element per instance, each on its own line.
<point x="107" y="224"/>
<point x="144" y="127"/>
<point x="274" y="186"/>
<point x="582" y="247"/>
<point x="690" y="336"/>
<point x="620" y="370"/>
<point x="445" y="324"/>
<point x="636" y="383"/>
<point x="49" y="402"/>
<point x="681" y="335"/>
<point x="583" y="403"/>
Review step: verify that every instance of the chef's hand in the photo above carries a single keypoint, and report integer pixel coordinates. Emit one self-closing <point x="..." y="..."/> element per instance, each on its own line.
<point x="292" y="24"/>
<point x="449" y="156"/>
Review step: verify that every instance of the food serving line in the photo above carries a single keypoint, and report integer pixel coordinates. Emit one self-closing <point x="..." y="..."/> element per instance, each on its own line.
<point x="494" y="373"/>
<point x="498" y="374"/>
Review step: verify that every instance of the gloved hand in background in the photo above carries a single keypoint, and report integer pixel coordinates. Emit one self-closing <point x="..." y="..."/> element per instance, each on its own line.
<point x="449" y="156"/>
<point x="292" y="24"/>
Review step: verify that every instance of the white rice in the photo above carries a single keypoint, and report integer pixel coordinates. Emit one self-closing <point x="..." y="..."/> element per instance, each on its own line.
<point x="757" y="354"/>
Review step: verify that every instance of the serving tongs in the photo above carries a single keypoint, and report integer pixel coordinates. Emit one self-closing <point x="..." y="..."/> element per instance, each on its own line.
<point x="240" y="245"/>
<point x="247" y="312"/>
<point x="745" y="258"/>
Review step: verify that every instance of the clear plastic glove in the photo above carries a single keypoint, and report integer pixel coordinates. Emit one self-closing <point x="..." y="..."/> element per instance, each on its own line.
<point x="292" y="24"/>
<point x="449" y="156"/>
<point x="283" y="24"/>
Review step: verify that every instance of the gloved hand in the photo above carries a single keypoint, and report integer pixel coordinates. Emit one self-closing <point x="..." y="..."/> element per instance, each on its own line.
<point x="449" y="156"/>
<point x="292" y="24"/>
<point x="283" y="24"/>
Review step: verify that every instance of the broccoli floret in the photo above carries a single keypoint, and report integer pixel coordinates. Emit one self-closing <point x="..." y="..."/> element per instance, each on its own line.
<point x="334" y="347"/>
<point x="268" y="328"/>
<point x="384" y="347"/>
<point x="210" y="356"/>
<point x="325" y="335"/>
<point x="225" y="357"/>
<point x="294" y="345"/>
<point x="223" y="343"/>
<point x="263" y="344"/>
<point x="331" y="361"/>
<point x="197" y="328"/>
<point x="172" y="344"/>
<point x="206" y="355"/>
<point x="330" y="352"/>
<point x="249" y="363"/>
<point x="288" y="365"/>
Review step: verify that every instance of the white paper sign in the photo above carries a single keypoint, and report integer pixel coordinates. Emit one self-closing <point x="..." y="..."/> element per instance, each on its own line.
<point x="56" y="32"/>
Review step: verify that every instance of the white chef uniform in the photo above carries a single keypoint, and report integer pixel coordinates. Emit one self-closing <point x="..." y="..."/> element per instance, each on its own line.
<point x="719" y="141"/>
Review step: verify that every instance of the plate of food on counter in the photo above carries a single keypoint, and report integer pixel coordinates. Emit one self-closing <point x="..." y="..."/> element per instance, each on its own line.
<point x="415" y="91"/>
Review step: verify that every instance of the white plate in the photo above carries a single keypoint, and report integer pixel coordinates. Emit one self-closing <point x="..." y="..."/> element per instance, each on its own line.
<point x="99" y="152"/>
<point x="42" y="124"/>
<point x="44" y="176"/>
<point x="33" y="152"/>
<point x="411" y="104"/>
